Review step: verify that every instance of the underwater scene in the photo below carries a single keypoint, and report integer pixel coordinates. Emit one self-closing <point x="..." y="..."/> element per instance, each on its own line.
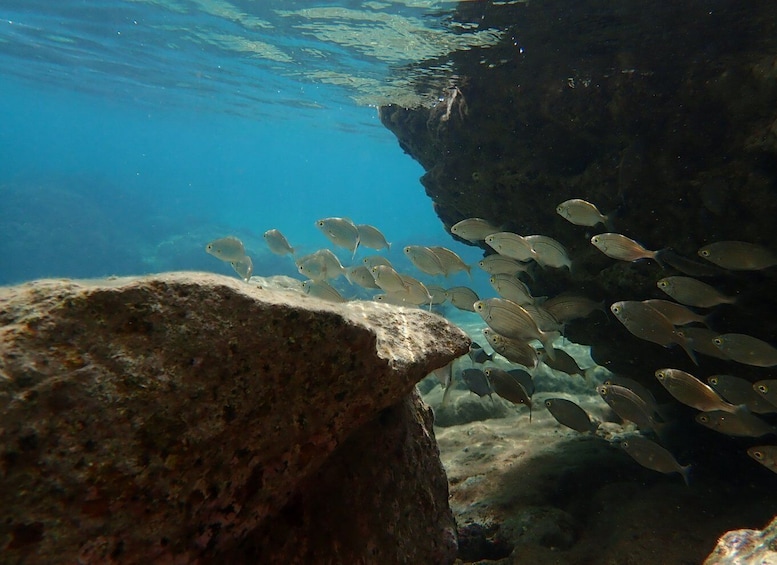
<point x="395" y="281"/>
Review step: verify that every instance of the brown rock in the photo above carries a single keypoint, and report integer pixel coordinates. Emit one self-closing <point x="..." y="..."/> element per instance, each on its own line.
<point x="167" y="418"/>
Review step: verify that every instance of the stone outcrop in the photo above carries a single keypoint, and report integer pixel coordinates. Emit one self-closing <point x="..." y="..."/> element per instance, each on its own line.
<point x="665" y="114"/>
<point x="191" y="418"/>
<point x="746" y="547"/>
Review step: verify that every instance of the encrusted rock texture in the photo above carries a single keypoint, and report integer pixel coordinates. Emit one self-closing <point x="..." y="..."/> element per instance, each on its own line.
<point x="746" y="547"/>
<point x="187" y="418"/>
<point x="664" y="114"/>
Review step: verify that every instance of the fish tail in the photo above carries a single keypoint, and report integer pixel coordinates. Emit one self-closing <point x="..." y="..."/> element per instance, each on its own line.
<point x="547" y="342"/>
<point x="685" y="471"/>
<point x="687" y="347"/>
<point x="658" y="257"/>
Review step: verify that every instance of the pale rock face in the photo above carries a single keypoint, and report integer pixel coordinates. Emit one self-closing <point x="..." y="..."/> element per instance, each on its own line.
<point x="746" y="547"/>
<point x="182" y="417"/>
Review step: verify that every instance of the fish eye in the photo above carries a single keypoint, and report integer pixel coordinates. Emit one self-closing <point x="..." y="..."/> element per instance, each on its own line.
<point x="713" y="380"/>
<point x="758" y="455"/>
<point x="703" y="418"/>
<point x="625" y="444"/>
<point x="763" y="389"/>
<point x="704" y="253"/>
<point x="717" y="341"/>
<point x="548" y="403"/>
<point x="662" y="284"/>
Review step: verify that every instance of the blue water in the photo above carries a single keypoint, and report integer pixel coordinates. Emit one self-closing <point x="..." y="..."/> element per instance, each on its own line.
<point x="129" y="141"/>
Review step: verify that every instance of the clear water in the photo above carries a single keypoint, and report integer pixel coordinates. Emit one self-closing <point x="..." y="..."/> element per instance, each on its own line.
<point x="134" y="131"/>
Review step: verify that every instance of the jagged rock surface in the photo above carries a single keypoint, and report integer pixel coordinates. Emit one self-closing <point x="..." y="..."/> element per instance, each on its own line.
<point x="746" y="547"/>
<point x="178" y="418"/>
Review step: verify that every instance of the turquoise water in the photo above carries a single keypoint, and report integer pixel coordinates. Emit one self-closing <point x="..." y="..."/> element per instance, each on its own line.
<point x="134" y="132"/>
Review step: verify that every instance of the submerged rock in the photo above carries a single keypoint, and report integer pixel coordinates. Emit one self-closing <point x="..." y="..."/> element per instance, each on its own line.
<point x="746" y="547"/>
<point x="185" y="417"/>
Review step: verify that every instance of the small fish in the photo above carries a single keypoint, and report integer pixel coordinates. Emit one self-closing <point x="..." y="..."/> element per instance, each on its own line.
<point x="548" y="252"/>
<point x="746" y="349"/>
<point x="767" y="389"/>
<point x="638" y="389"/>
<point x="370" y="236"/>
<point x="569" y="414"/>
<point x="438" y="293"/>
<point x="322" y="290"/>
<point x="496" y="264"/>
<point x="395" y="298"/>
<point x="563" y="362"/>
<point x="686" y="266"/>
<point x="477" y="354"/>
<point x="416" y="291"/>
<point x="700" y="339"/>
<point x="278" y="243"/>
<point x="462" y="297"/>
<point x="649" y="324"/>
<point x="513" y="321"/>
<point x="691" y="292"/>
<point x="545" y="320"/>
<point x="652" y="456"/>
<point x="450" y="261"/>
<point x="473" y="229"/>
<point x="511" y="288"/>
<point x="509" y="388"/>
<point x="741" y="424"/>
<point x="227" y="249"/>
<point x="692" y="392"/>
<point x="321" y="265"/>
<point x="766" y="455"/>
<point x="341" y="232"/>
<point x="445" y="376"/>
<point x="629" y="406"/>
<point x="620" y="247"/>
<point x="738" y="255"/>
<point x="676" y="313"/>
<point x="581" y="213"/>
<point x="373" y="260"/>
<point x="511" y="245"/>
<point x="567" y="307"/>
<point x="737" y="391"/>
<point x="513" y="350"/>
<point x="244" y="268"/>
<point x="424" y="259"/>
<point x="360" y="275"/>
<point x="388" y="279"/>
<point x="476" y="382"/>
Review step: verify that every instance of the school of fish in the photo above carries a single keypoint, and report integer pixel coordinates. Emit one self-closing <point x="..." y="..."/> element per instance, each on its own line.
<point x="522" y="328"/>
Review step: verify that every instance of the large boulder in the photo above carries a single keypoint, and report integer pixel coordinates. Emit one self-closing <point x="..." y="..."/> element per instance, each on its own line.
<point x="185" y="417"/>
<point x="746" y="547"/>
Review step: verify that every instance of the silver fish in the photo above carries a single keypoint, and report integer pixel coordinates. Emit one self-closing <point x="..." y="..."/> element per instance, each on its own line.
<point x="620" y="247"/>
<point x="545" y="320"/>
<point x="372" y="237"/>
<point x="746" y="349"/>
<point x="388" y="279"/>
<point x="341" y="232"/>
<point x="513" y="321"/>
<point x="320" y="265"/>
<point x="563" y="362"/>
<point x="511" y="245"/>
<point x="649" y="324"/>
<point x="629" y="406"/>
<point x="509" y="388"/>
<point x="244" y="268"/>
<point x="462" y="297"/>
<point x="766" y="455"/>
<point x="511" y="288"/>
<point x="737" y="390"/>
<point x="567" y="307"/>
<point x="278" y="243"/>
<point x="416" y="291"/>
<point x="740" y="424"/>
<point x="526" y="380"/>
<point x="477" y="382"/>
<point x="738" y="255"/>
<point x="581" y="213"/>
<point x="473" y="229"/>
<point x="496" y="264"/>
<point x="227" y="249"/>
<point x="691" y="292"/>
<point x="450" y="260"/>
<point x="548" y="252"/>
<point x="692" y="392"/>
<point x="569" y="414"/>
<point x="372" y="260"/>
<point x="360" y="275"/>
<point x="700" y="339"/>
<point x="424" y="259"/>
<point x="438" y="293"/>
<point x="322" y="290"/>
<point x="652" y="456"/>
<point x="767" y="389"/>
<point x="676" y="313"/>
<point x="638" y="389"/>
<point x="513" y="350"/>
